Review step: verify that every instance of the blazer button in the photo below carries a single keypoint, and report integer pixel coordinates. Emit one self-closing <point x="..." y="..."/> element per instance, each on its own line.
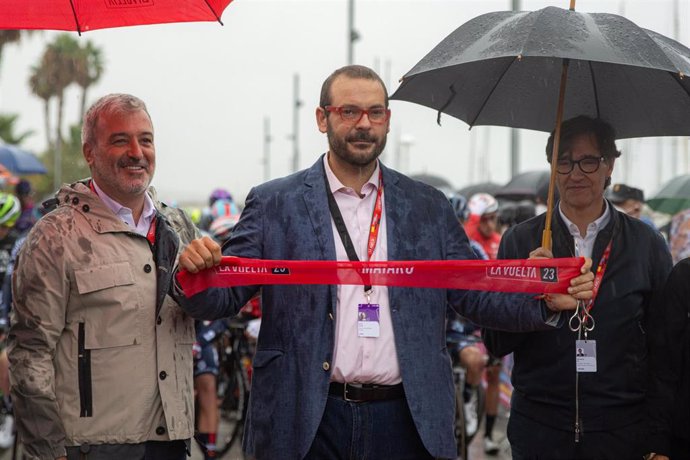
<point x="163" y="375"/>
<point x="160" y="431"/>
<point x="147" y="268"/>
<point x="326" y="366"/>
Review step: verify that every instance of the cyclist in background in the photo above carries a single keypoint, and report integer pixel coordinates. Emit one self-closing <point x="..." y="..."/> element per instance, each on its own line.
<point x="209" y="214"/>
<point x="482" y="223"/>
<point x="206" y="364"/>
<point x="463" y="334"/>
<point x="10" y="211"/>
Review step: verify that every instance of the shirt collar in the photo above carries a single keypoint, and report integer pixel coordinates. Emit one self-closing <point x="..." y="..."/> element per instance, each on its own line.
<point x="336" y="185"/>
<point x="593" y="227"/>
<point x="148" y="211"/>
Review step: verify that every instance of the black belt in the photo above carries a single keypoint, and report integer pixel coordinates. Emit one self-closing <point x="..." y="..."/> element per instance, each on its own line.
<point x="366" y="392"/>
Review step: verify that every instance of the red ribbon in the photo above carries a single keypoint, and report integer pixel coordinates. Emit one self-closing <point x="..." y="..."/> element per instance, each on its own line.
<point x="530" y="275"/>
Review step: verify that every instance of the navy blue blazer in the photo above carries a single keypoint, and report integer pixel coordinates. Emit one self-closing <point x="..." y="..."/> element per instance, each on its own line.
<point x="289" y="219"/>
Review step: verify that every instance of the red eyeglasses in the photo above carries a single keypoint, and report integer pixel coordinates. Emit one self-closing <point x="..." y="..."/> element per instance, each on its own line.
<point x="352" y="113"/>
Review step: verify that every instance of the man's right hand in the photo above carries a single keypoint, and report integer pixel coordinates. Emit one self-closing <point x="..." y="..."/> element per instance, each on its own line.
<point x="200" y="254"/>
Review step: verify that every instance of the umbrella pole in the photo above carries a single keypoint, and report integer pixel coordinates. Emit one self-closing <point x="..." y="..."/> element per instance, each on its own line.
<point x="546" y="235"/>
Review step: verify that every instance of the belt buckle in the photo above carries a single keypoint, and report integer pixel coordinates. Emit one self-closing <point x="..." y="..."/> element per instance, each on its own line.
<point x="346" y="398"/>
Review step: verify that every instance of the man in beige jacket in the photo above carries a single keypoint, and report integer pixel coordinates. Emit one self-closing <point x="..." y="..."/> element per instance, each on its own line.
<point x="100" y="354"/>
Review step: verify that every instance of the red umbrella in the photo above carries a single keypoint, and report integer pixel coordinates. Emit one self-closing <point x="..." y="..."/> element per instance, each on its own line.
<point x="86" y="15"/>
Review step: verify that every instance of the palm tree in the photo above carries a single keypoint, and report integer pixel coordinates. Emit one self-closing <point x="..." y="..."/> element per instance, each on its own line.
<point x="7" y="37"/>
<point x="60" y="59"/>
<point x="39" y="82"/>
<point x="89" y="67"/>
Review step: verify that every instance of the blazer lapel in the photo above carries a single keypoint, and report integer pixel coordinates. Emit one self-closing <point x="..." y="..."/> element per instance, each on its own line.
<point x="395" y="220"/>
<point x="316" y="202"/>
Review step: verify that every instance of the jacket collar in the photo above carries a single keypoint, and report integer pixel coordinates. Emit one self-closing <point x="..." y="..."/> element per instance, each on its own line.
<point x="102" y="219"/>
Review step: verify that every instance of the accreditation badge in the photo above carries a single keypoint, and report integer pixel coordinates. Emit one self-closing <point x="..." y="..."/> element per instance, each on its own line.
<point x="586" y="355"/>
<point x="368" y="320"/>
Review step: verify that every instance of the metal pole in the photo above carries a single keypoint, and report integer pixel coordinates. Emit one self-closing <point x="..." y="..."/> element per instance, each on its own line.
<point x="295" y="123"/>
<point x="514" y="133"/>
<point x="676" y="36"/>
<point x="267" y="148"/>
<point x="351" y="34"/>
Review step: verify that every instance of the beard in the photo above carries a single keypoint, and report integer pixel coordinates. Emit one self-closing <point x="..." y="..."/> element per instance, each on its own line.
<point x="341" y="147"/>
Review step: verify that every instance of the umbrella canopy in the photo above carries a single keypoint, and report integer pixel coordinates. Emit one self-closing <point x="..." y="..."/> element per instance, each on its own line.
<point x="19" y="161"/>
<point x="504" y="69"/>
<point x="483" y="187"/>
<point x="673" y="196"/>
<point x="85" y="15"/>
<point x="528" y="185"/>
<point x="435" y="181"/>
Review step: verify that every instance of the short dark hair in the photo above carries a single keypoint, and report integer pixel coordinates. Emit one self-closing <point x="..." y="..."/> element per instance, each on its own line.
<point x="350" y="71"/>
<point x="602" y="132"/>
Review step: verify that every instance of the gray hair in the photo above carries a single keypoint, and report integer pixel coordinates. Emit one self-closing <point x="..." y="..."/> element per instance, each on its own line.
<point x="108" y="105"/>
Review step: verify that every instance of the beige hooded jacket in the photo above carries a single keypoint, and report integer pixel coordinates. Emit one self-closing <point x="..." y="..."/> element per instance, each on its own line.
<point x="99" y="352"/>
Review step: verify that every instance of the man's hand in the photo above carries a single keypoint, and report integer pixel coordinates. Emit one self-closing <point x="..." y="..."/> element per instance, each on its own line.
<point x="200" y="254"/>
<point x="580" y="286"/>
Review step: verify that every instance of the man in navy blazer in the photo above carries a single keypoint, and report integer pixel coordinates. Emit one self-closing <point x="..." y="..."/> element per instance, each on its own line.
<point x="340" y="372"/>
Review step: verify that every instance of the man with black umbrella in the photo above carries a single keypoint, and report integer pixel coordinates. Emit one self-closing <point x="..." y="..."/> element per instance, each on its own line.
<point x="569" y="405"/>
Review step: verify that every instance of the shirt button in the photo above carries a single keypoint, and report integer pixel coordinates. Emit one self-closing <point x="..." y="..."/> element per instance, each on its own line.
<point x="160" y="431"/>
<point x="326" y="366"/>
<point x="159" y="320"/>
<point x="163" y="375"/>
<point x="147" y="268"/>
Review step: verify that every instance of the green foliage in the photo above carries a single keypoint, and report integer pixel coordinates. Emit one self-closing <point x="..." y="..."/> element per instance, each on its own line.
<point x="74" y="166"/>
<point x="65" y="62"/>
<point x="8" y="129"/>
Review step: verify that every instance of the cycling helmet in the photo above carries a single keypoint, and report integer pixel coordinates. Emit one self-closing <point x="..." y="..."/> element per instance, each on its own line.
<point x="223" y="207"/>
<point x="221" y="227"/>
<point x="482" y="203"/>
<point x="10" y="209"/>
<point x="459" y="204"/>
<point x="219" y="194"/>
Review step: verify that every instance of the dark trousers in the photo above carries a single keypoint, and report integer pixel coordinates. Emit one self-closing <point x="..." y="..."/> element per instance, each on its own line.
<point x="151" y="450"/>
<point x="370" y="430"/>
<point x="531" y="440"/>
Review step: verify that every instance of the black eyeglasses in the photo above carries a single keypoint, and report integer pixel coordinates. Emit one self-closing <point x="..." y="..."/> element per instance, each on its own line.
<point x="352" y="113"/>
<point x="587" y="165"/>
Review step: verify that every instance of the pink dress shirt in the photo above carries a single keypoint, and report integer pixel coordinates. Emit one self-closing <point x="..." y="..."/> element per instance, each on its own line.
<point x="361" y="359"/>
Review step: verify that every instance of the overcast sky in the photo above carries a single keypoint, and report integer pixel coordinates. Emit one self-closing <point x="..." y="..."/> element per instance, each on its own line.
<point x="209" y="88"/>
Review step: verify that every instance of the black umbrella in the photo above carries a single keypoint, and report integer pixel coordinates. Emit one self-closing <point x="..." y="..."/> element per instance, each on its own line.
<point x="530" y="185"/>
<point x="532" y="69"/>
<point x="435" y="181"/>
<point x="484" y="187"/>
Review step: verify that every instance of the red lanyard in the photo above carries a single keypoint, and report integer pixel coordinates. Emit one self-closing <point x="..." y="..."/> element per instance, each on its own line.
<point x="375" y="219"/>
<point x="599" y="275"/>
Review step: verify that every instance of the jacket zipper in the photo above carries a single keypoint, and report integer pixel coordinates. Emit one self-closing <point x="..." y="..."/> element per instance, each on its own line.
<point x="84" y="372"/>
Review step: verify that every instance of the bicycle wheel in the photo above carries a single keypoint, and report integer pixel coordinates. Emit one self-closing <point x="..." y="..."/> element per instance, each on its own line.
<point x="233" y="396"/>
